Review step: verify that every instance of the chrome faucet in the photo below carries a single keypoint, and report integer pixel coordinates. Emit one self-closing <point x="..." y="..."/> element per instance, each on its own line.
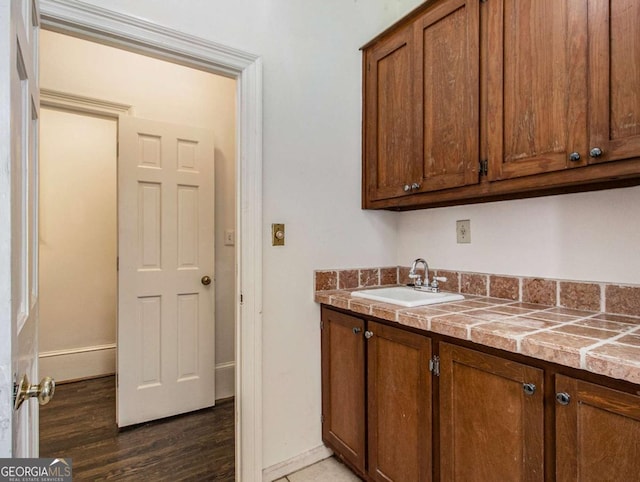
<point x="416" y="277"/>
<point x="424" y="285"/>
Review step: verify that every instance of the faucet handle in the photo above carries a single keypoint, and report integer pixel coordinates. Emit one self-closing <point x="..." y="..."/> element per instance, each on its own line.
<point x="441" y="279"/>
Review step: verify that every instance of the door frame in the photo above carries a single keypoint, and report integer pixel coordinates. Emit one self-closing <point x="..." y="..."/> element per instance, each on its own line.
<point x="104" y="26"/>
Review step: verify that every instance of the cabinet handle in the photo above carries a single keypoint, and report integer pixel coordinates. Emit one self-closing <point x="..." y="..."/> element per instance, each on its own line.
<point x="574" y="156"/>
<point x="415" y="185"/>
<point x="356" y="330"/>
<point x="595" y="152"/>
<point x="368" y="334"/>
<point x="406" y="188"/>
<point x="529" y="388"/>
<point x="563" y="398"/>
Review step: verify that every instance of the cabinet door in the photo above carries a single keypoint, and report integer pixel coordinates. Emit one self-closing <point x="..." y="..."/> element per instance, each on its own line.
<point x="399" y="403"/>
<point x="447" y="53"/>
<point x="490" y="427"/>
<point x="537" y="86"/>
<point x="343" y="386"/>
<point x="597" y="433"/>
<point x="389" y="106"/>
<point x="614" y="69"/>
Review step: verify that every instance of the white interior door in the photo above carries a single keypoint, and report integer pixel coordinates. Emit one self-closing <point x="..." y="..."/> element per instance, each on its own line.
<point x="166" y="362"/>
<point x="18" y="222"/>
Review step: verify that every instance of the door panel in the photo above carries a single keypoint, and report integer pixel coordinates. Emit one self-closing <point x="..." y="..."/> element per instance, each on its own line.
<point x="19" y="238"/>
<point x="447" y="52"/>
<point x="597" y="433"/>
<point x="537" y="86"/>
<point x="166" y="363"/>
<point x="614" y="50"/>
<point x="490" y="429"/>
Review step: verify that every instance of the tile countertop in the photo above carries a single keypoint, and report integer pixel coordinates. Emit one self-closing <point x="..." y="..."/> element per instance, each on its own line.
<point x="596" y="342"/>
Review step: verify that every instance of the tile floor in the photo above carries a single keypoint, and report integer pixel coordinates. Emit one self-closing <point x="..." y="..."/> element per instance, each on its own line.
<point x="327" y="470"/>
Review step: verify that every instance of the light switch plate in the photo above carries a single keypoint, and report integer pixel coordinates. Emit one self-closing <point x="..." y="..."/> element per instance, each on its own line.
<point x="463" y="231"/>
<point x="277" y="235"/>
<point x="229" y="237"/>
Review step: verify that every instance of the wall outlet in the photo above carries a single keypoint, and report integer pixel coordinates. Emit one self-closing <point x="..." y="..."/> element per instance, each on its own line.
<point x="463" y="231"/>
<point x="229" y="237"/>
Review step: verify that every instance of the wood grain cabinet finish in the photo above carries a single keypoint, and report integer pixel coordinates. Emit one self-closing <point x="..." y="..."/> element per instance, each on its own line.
<point x="343" y="386"/>
<point x="399" y="405"/>
<point x="491" y="417"/>
<point x="420" y="119"/>
<point x="597" y="433"/>
<point x="470" y="101"/>
<point x="390" y="378"/>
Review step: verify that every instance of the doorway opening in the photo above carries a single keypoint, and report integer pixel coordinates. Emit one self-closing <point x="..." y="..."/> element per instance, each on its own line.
<point x="133" y="34"/>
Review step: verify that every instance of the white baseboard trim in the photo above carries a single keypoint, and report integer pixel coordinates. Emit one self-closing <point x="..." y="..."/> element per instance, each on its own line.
<point x="225" y="380"/>
<point x="296" y="463"/>
<point x="78" y="363"/>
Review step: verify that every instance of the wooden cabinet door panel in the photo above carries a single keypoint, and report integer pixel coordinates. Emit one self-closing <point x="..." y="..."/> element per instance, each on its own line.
<point x="343" y="385"/>
<point x="399" y="403"/>
<point x="537" y="86"/>
<point x="597" y="433"/>
<point x="447" y="103"/>
<point x="389" y="147"/>
<point x="489" y="428"/>
<point x="614" y="69"/>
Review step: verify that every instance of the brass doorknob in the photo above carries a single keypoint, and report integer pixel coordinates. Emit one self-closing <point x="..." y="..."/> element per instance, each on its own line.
<point x="206" y="280"/>
<point x="44" y="391"/>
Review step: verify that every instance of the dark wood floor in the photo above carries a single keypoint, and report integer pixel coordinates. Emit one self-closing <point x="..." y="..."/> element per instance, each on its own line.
<point x="79" y="423"/>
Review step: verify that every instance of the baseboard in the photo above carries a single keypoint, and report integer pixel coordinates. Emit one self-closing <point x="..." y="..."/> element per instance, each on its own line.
<point x="225" y="380"/>
<point x="78" y="363"/>
<point x="296" y="463"/>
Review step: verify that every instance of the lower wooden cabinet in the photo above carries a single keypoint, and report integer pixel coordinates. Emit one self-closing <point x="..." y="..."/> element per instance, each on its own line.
<point x="403" y="406"/>
<point x="394" y="368"/>
<point x="597" y="433"/>
<point x="491" y="417"/>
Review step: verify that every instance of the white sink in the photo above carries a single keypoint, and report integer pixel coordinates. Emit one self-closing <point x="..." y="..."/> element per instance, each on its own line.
<point x="406" y="296"/>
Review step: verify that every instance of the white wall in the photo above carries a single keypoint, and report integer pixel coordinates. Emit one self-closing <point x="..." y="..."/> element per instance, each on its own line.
<point x="78" y="244"/>
<point x="586" y="237"/>
<point x="163" y="91"/>
<point x="311" y="149"/>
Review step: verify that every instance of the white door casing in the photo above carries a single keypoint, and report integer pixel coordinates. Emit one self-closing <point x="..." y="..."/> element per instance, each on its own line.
<point x="166" y="362"/>
<point x="19" y="110"/>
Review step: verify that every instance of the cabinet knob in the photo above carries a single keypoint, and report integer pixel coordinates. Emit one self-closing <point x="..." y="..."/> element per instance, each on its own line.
<point x="529" y="388"/>
<point x="415" y="185"/>
<point x="407" y="188"/>
<point x="574" y="156"/>
<point x="356" y="330"/>
<point x="595" y="152"/>
<point x="368" y="334"/>
<point x="563" y="398"/>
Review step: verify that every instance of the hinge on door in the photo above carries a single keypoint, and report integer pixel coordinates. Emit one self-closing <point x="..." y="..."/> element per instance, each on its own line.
<point x="321" y="325"/>
<point x="321" y="418"/>
<point x="434" y="365"/>
<point x="118" y="263"/>
<point x="241" y="298"/>
<point x="484" y="167"/>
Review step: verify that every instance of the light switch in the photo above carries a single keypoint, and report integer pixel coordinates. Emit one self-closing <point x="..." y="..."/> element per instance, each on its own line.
<point x="229" y="237"/>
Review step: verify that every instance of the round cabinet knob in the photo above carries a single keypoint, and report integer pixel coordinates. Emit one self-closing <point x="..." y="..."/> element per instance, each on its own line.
<point x="529" y="388"/>
<point x="415" y="185"/>
<point x="356" y="330"/>
<point x="368" y="334"/>
<point x="406" y="188"/>
<point x="206" y="280"/>
<point x="574" y="156"/>
<point x="595" y="152"/>
<point x="563" y="398"/>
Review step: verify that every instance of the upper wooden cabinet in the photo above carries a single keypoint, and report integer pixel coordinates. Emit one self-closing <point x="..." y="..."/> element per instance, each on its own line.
<point x="469" y="101"/>
<point x="420" y="120"/>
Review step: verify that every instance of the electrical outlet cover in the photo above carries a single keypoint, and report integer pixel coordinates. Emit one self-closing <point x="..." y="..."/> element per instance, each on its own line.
<point x="463" y="231"/>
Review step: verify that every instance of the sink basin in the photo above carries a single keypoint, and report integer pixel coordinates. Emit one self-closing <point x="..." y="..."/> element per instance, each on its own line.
<point x="406" y="296"/>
